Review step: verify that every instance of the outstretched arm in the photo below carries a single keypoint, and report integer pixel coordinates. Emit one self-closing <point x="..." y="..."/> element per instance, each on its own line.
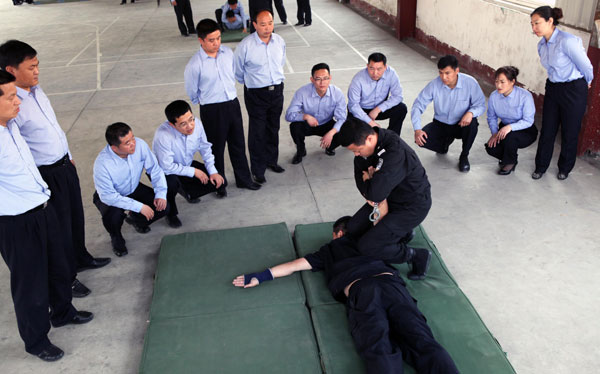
<point x="278" y="271"/>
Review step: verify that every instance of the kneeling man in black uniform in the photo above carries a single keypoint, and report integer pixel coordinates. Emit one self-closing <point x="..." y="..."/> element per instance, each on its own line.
<point x="385" y="322"/>
<point x="387" y="169"/>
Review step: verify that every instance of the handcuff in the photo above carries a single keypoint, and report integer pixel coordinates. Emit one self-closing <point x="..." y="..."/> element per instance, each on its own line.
<point x="375" y="214"/>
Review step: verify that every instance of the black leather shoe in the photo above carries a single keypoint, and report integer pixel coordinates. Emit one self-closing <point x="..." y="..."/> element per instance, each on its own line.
<point x="173" y="221"/>
<point x="51" y="353"/>
<point x="188" y="197"/>
<point x="299" y="24"/>
<point x="298" y="157"/>
<point x="284" y="22"/>
<point x="260" y="180"/>
<point x="221" y="193"/>
<point x="307" y="24"/>
<point x="81" y="317"/>
<point x="408" y="237"/>
<point x="507" y="169"/>
<point x="96" y="263"/>
<point x="120" y="252"/>
<point x="138" y="228"/>
<point x="253" y="186"/>
<point x="537" y="175"/>
<point x="276" y="168"/>
<point x="329" y="152"/>
<point x="562" y="176"/>
<point x="463" y="165"/>
<point x="79" y="289"/>
<point x="420" y="260"/>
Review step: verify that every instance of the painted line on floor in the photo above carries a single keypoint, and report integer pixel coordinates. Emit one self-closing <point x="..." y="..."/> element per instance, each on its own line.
<point x="341" y="37"/>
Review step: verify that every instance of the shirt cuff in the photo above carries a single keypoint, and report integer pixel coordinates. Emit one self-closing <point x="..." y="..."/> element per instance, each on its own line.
<point x="190" y="171"/>
<point x="212" y="170"/>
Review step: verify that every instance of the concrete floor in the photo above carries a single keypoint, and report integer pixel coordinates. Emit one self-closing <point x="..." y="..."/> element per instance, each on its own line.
<point x="523" y="251"/>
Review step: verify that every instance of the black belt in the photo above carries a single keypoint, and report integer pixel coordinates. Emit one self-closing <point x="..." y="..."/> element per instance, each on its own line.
<point x="39" y="207"/>
<point x="267" y="88"/>
<point x="62" y="162"/>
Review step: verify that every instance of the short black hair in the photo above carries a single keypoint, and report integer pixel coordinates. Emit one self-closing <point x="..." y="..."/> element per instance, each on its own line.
<point x="377" y="57"/>
<point x="341" y="224"/>
<point x="448" y="60"/>
<point x="176" y="109"/>
<point x="205" y="27"/>
<point x="115" y="132"/>
<point x="260" y="11"/>
<point x="229" y="14"/>
<point x="5" y="78"/>
<point x="354" y="131"/>
<point x="13" y="52"/>
<point x="319" y="66"/>
<point x="231" y="2"/>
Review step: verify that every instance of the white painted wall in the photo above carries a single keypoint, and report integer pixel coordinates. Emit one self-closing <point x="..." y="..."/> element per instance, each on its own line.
<point x="388" y="6"/>
<point x="488" y="33"/>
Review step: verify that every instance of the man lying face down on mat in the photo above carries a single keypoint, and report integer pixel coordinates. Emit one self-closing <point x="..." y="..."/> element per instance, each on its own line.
<point x="385" y="323"/>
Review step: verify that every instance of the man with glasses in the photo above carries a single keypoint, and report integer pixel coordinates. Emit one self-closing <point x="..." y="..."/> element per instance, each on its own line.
<point x="375" y="93"/>
<point x="318" y="109"/>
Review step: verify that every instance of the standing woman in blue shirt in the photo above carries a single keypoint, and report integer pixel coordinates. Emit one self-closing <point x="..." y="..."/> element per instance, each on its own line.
<point x="570" y="75"/>
<point x="516" y="110"/>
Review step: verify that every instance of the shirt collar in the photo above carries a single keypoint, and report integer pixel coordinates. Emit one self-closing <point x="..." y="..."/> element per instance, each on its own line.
<point x="22" y="93"/>
<point x="553" y="37"/>
<point x="315" y="94"/>
<point x="205" y="56"/>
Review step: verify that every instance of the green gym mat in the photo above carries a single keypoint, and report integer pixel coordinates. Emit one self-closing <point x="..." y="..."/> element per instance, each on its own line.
<point x="264" y="340"/>
<point x="230" y="36"/>
<point x="195" y="271"/>
<point x="453" y="320"/>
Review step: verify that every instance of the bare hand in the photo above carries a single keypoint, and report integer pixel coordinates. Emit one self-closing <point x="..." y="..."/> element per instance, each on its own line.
<point x="174" y="3"/>
<point x="374" y="113"/>
<point x="368" y="174"/>
<point x="504" y="131"/>
<point x="373" y="124"/>
<point x="589" y="86"/>
<point x="245" y="31"/>
<point x="312" y="121"/>
<point x="147" y="212"/>
<point x="493" y="141"/>
<point x="201" y="175"/>
<point x="73" y="162"/>
<point x="326" y="139"/>
<point x="160" y="204"/>
<point x="216" y="179"/>
<point x="239" y="282"/>
<point x="383" y="211"/>
<point x="420" y="137"/>
<point x="466" y="119"/>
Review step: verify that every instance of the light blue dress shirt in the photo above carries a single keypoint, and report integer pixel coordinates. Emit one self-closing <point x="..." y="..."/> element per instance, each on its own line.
<point x="517" y="109"/>
<point x="449" y="105"/>
<point x="210" y="80"/>
<point x="564" y="58"/>
<point x="366" y="93"/>
<point x="238" y="11"/>
<point x="307" y="101"/>
<point x="258" y="64"/>
<point x="39" y="127"/>
<point x="175" y="151"/>
<point x="116" y="177"/>
<point x="235" y="25"/>
<point x="21" y="185"/>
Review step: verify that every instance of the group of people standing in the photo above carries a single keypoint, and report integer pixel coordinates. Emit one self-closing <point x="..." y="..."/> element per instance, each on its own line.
<point x="39" y="183"/>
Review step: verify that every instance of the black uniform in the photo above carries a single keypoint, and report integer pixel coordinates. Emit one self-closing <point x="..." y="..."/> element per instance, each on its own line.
<point x="380" y="307"/>
<point x="183" y="9"/>
<point x="401" y="179"/>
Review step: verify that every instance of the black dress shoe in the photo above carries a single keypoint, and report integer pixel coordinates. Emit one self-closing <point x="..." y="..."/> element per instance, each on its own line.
<point x="136" y="226"/>
<point x="79" y="289"/>
<point x="463" y="165"/>
<point x="81" y="317"/>
<point x="51" y="353"/>
<point x="562" y="176"/>
<point x="173" y="221"/>
<point x="298" y="157"/>
<point x="188" y="197"/>
<point x="507" y="169"/>
<point x="96" y="263"/>
<point x="420" y="260"/>
<point x="276" y="168"/>
<point x="253" y="186"/>
<point x="284" y="22"/>
<point x="329" y="152"/>
<point x="185" y="34"/>
<point x="120" y="252"/>
<point x="260" y="180"/>
<point x="307" y="24"/>
<point x="299" y="24"/>
<point x="537" y="175"/>
<point x="221" y="192"/>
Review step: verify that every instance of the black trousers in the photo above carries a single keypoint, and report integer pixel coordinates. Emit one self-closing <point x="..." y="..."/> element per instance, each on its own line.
<point x="564" y="105"/>
<point x="191" y="186"/>
<point x="395" y="114"/>
<point x="300" y="130"/>
<point x="113" y="217"/>
<point x="387" y="240"/>
<point x="506" y="149"/>
<point x="223" y="125"/>
<point x="304" y="14"/>
<point x="254" y="6"/>
<point x="63" y="181"/>
<point x="264" y="111"/>
<point x="386" y="325"/>
<point x="280" y="10"/>
<point x="183" y="9"/>
<point x="440" y="135"/>
<point x="39" y="274"/>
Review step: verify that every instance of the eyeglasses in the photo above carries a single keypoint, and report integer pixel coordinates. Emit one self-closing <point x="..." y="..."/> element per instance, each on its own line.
<point x="322" y="79"/>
